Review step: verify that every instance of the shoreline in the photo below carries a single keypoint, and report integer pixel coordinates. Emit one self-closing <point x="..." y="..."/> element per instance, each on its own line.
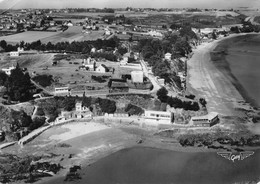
<point x="222" y="91"/>
<point x="224" y="66"/>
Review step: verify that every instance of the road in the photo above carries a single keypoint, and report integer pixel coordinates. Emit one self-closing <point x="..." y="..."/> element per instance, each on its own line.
<point x="150" y="76"/>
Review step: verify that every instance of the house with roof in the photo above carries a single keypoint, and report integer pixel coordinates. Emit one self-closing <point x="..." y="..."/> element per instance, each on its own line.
<point x="80" y="112"/>
<point x="206" y="120"/>
<point x="168" y="56"/>
<point x="102" y="69"/>
<point x="8" y="70"/>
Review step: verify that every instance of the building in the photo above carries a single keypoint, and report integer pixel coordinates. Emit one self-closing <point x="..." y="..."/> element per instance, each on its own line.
<point x="124" y="61"/>
<point x="14" y="54"/>
<point x="20" y="49"/>
<point x="102" y="69"/>
<point x="160" y="116"/>
<point x="90" y="64"/>
<point x="62" y="91"/>
<point x="8" y="70"/>
<point x="168" y="56"/>
<point x="137" y="76"/>
<point x="205" y="121"/>
<point x="80" y="112"/>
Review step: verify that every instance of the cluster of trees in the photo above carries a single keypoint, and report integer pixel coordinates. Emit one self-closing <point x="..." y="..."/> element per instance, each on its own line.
<point x="153" y="51"/>
<point x="7" y="47"/>
<point x="247" y="28"/>
<point x="82" y="47"/>
<point x="105" y="105"/>
<point x="43" y="80"/>
<point x="134" y="110"/>
<point x="18" y="85"/>
<point x="106" y="55"/>
<point x="175" y="102"/>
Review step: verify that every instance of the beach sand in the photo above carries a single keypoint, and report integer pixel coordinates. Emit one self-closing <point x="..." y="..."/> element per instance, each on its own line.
<point x="217" y="87"/>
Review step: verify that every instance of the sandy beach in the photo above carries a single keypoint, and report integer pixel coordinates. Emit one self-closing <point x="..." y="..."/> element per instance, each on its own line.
<point x="207" y="81"/>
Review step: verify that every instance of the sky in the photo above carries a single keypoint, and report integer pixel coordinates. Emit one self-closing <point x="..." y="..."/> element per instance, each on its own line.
<point x="128" y="3"/>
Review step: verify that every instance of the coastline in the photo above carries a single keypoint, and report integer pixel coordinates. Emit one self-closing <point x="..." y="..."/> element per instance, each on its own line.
<point x="224" y="66"/>
<point x="223" y="92"/>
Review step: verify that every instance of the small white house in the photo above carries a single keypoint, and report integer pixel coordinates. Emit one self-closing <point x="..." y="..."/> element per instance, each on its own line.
<point x="124" y="61"/>
<point x="14" y="54"/>
<point x="20" y="49"/>
<point x="168" y="56"/>
<point x="205" y="121"/>
<point x="89" y="63"/>
<point x="93" y="50"/>
<point x="70" y="24"/>
<point x="102" y="69"/>
<point x="8" y="70"/>
<point x="160" y="116"/>
<point x="61" y="90"/>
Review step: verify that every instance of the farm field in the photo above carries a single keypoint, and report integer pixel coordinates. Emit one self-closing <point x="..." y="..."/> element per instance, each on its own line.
<point x="73" y="33"/>
<point x="28" y="36"/>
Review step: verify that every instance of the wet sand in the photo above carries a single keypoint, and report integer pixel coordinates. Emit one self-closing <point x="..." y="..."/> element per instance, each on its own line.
<point x="219" y="87"/>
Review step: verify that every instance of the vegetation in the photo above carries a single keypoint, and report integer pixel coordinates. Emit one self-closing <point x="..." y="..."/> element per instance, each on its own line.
<point x="43" y="80"/>
<point x="233" y="139"/>
<point x="14" y="169"/>
<point x="18" y="85"/>
<point x="134" y="110"/>
<point x="176" y="102"/>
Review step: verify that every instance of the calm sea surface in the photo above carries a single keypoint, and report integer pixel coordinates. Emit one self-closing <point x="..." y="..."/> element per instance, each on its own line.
<point x="147" y="165"/>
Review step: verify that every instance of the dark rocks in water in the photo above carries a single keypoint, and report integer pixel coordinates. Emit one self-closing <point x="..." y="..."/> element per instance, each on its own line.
<point x="73" y="174"/>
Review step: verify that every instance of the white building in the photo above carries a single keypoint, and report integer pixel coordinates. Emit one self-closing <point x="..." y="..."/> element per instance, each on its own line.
<point x="102" y="69"/>
<point x="62" y="91"/>
<point x="89" y="63"/>
<point x="20" y="49"/>
<point x="205" y="121"/>
<point x="124" y="61"/>
<point x="14" y="54"/>
<point x="8" y="70"/>
<point x="137" y="76"/>
<point x="168" y="56"/>
<point x="155" y="33"/>
<point x="160" y="116"/>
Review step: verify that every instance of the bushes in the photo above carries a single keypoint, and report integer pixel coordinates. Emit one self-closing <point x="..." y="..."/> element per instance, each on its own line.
<point x="37" y="122"/>
<point x="99" y="79"/>
<point x="134" y="110"/>
<point x="176" y="102"/>
<point x="43" y="80"/>
<point x="107" y="106"/>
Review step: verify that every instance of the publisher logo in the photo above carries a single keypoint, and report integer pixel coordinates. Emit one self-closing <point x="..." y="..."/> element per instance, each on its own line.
<point x="233" y="157"/>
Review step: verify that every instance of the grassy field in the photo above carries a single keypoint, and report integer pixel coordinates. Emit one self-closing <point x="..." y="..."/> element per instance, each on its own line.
<point x="72" y="34"/>
<point x="28" y="36"/>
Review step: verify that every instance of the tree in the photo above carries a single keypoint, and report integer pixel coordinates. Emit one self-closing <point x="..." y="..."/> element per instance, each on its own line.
<point x="214" y="36"/>
<point x="3" y="44"/>
<point x="19" y="85"/>
<point x="162" y="94"/>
